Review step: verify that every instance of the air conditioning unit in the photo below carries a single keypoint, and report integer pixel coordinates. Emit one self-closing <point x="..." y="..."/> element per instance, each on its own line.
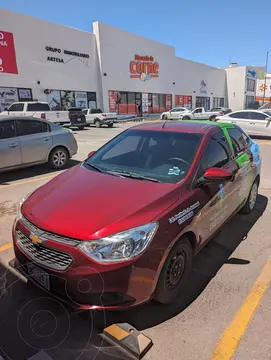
<point x="47" y="91"/>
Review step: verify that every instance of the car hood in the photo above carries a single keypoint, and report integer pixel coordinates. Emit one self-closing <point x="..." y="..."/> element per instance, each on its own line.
<point x="85" y="204"/>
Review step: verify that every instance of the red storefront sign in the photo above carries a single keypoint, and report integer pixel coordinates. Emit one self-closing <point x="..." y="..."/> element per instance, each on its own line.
<point x="144" y="68"/>
<point x="168" y="101"/>
<point x="8" y="62"/>
<point x="114" y="99"/>
<point x="183" y="100"/>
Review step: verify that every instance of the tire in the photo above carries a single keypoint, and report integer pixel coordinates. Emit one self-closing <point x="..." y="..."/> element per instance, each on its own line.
<point x="97" y="123"/>
<point x="81" y="127"/>
<point x="167" y="290"/>
<point x="186" y="118"/>
<point x="110" y="125"/>
<point x="164" y="117"/>
<point x="58" y="158"/>
<point x="252" y="199"/>
<point x="212" y="118"/>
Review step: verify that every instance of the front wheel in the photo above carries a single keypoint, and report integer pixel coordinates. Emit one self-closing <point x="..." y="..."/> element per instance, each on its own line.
<point x="81" y="127"/>
<point x="186" y="118"/>
<point x="212" y="118"/>
<point x="252" y="199"/>
<point x="97" y="123"/>
<point x="175" y="272"/>
<point x="164" y="117"/>
<point x="110" y="125"/>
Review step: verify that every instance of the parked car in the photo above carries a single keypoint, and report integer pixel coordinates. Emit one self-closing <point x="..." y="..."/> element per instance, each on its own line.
<point x="200" y="113"/>
<point x="222" y="109"/>
<point x="39" y="110"/>
<point x="77" y="118"/>
<point x="253" y="122"/>
<point x="123" y="227"/>
<point x="26" y="141"/>
<point x="98" y="118"/>
<point x="173" y="113"/>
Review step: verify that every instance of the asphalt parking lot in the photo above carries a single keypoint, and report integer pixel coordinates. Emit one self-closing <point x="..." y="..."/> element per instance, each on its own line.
<point x="222" y="313"/>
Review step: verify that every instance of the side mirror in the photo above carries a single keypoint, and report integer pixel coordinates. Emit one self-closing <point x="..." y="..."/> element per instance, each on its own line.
<point x="217" y="174"/>
<point x="91" y="153"/>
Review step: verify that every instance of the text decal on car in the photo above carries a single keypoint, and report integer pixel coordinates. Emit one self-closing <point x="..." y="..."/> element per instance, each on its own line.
<point x="185" y="214"/>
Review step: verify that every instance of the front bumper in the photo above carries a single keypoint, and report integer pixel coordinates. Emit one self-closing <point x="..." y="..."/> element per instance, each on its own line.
<point x="89" y="285"/>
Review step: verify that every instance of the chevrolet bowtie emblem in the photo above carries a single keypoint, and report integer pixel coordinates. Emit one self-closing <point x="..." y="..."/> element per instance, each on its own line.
<point x="35" y="239"/>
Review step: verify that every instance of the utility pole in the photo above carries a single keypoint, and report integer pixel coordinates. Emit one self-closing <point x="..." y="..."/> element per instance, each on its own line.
<point x="266" y="66"/>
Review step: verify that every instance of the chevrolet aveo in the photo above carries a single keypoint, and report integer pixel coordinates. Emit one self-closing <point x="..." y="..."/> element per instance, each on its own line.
<point x="122" y="227"/>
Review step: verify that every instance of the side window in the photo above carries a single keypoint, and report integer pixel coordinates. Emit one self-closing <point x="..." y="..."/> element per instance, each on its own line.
<point x="221" y="139"/>
<point x="29" y="127"/>
<point x="240" y="115"/>
<point x="16" y="107"/>
<point x="174" y="110"/>
<point x="215" y="156"/>
<point x="197" y="111"/>
<point x="257" y="116"/>
<point x="45" y="127"/>
<point x="239" y="141"/>
<point x="85" y="112"/>
<point x="127" y="145"/>
<point x="7" y="129"/>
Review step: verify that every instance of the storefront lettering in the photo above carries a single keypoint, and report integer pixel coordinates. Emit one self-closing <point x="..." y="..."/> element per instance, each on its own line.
<point x="49" y="58"/>
<point x="66" y="52"/>
<point x="2" y="41"/>
<point x="144" y="65"/>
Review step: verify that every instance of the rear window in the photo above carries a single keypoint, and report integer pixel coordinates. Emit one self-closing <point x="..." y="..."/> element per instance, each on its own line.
<point x="96" y="111"/>
<point x="38" y="107"/>
<point x="160" y="155"/>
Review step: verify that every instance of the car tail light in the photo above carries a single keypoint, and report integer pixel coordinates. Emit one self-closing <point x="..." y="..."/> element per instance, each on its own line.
<point x="217" y="118"/>
<point x="43" y="116"/>
<point x="103" y="114"/>
<point x="221" y="113"/>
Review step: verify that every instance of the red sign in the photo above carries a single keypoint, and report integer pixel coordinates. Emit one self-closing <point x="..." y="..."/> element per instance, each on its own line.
<point x="8" y="62"/>
<point x="144" y="68"/>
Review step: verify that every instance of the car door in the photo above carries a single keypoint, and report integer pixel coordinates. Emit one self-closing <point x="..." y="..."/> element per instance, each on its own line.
<point x="36" y="140"/>
<point x="197" y="113"/>
<point x="217" y="198"/>
<point x="240" y="118"/>
<point x="174" y="113"/>
<point x="16" y="109"/>
<point x="259" y="123"/>
<point x="243" y="157"/>
<point x="10" y="150"/>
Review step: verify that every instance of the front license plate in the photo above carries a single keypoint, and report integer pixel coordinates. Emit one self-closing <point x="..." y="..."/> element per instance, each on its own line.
<point x="39" y="275"/>
<point x="78" y="119"/>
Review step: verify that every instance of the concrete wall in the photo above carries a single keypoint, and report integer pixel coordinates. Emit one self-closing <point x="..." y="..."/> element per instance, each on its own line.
<point x="117" y="48"/>
<point x="236" y="87"/>
<point x="31" y="36"/>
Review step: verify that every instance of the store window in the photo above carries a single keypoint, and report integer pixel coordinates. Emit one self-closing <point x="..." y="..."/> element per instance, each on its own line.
<point x="184" y="101"/>
<point x="250" y="102"/>
<point x="251" y="84"/>
<point x="203" y="101"/>
<point x="64" y="99"/>
<point x="218" y="102"/>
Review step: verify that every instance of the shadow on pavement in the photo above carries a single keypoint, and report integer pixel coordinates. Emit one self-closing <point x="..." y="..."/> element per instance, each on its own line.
<point x="206" y="264"/>
<point x="26" y="173"/>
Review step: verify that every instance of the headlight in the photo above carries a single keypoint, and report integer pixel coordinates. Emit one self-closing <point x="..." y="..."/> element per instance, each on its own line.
<point x="122" y="246"/>
<point x="19" y="214"/>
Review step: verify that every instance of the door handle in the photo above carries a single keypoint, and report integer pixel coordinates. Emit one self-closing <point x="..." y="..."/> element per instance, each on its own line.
<point x="252" y="123"/>
<point x="47" y="138"/>
<point x="233" y="122"/>
<point x="14" y="145"/>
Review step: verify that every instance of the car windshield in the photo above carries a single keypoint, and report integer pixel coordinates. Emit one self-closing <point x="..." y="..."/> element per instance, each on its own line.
<point x="158" y="156"/>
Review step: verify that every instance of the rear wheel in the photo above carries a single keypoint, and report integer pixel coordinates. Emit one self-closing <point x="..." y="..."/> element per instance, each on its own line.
<point x="81" y="127"/>
<point x="164" y="117"/>
<point x="212" y="118"/>
<point x="97" y="123"/>
<point x="110" y="125"/>
<point x="175" y="272"/>
<point x="252" y="199"/>
<point x="58" y="158"/>
<point x="186" y="118"/>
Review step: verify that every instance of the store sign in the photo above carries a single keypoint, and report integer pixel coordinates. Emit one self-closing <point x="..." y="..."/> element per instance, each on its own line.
<point x="67" y="52"/>
<point x="54" y="59"/>
<point x="7" y="97"/>
<point x="145" y="103"/>
<point x="144" y="68"/>
<point x="8" y="62"/>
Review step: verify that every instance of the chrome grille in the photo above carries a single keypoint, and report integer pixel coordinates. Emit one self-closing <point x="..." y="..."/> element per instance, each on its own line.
<point x="43" y="255"/>
<point x="48" y="235"/>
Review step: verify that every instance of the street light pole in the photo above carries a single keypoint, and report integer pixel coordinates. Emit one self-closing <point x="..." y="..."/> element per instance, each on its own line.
<point x="266" y="66"/>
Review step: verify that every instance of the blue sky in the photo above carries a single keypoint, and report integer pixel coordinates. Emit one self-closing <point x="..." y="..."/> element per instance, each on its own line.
<point x="208" y="31"/>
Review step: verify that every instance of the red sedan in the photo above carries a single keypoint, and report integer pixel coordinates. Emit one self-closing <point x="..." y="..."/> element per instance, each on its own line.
<point x="122" y="227"/>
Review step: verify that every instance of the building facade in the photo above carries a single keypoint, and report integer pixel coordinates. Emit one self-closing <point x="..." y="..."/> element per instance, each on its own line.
<point x="109" y="68"/>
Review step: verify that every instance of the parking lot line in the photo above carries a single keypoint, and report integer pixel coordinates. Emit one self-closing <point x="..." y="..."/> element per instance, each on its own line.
<point x="265" y="142"/>
<point x="26" y="181"/>
<point x="6" y="247"/>
<point x="230" y="339"/>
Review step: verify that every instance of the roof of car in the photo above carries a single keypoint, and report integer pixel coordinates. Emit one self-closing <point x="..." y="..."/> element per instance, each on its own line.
<point x="196" y="127"/>
<point x="9" y="117"/>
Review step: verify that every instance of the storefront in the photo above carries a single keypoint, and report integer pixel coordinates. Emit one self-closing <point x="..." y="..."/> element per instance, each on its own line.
<point x="110" y="68"/>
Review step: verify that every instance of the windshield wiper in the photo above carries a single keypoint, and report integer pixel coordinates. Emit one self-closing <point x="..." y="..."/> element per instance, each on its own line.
<point x="94" y="167"/>
<point x="133" y="176"/>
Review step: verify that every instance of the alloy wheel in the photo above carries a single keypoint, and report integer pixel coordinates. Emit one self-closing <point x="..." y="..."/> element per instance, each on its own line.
<point x="59" y="158"/>
<point x="253" y="196"/>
